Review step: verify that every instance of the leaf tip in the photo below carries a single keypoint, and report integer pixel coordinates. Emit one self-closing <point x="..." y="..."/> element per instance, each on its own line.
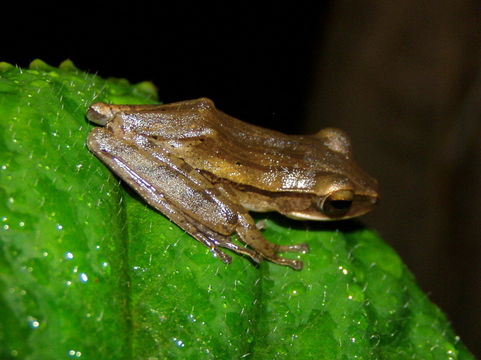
<point x="38" y="64"/>
<point x="5" y="66"/>
<point x="147" y="88"/>
<point x="68" y="65"/>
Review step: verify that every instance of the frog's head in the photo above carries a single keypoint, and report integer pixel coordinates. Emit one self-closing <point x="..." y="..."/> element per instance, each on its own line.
<point x="100" y="113"/>
<point x="342" y="190"/>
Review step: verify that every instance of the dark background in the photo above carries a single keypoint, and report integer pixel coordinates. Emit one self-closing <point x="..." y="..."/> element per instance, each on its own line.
<point x="401" y="78"/>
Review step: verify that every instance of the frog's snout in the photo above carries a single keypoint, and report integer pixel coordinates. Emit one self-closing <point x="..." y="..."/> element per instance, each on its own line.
<point x="99" y="113"/>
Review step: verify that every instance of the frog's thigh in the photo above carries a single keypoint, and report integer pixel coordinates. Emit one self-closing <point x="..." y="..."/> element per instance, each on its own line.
<point x="124" y="160"/>
<point x="198" y="208"/>
<point x="158" y="180"/>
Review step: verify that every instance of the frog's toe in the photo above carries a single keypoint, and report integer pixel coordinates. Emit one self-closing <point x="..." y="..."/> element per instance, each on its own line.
<point x="226" y="259"/>
<point x="261" y="224"/>
<point x="295" y="264"/>
<point x="254" y="255"/>
<point x="301" y="248"/>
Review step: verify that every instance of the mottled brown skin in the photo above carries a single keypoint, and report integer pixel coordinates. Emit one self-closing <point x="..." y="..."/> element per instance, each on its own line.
<point x="205" y="170"/>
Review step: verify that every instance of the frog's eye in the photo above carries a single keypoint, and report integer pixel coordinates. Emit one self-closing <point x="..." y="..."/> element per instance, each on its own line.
<point x="337" y="203"/>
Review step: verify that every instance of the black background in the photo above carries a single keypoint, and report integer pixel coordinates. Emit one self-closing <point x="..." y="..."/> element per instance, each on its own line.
<point x="255" y="62"/>
<point x="259" y="62"/>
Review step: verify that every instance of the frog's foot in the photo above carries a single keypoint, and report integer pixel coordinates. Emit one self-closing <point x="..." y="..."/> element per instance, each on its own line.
<point x="258" y="257"/>
<point x="273" y="249"/>
<point x="254" y="255"/>
<point x="265" y="250"/>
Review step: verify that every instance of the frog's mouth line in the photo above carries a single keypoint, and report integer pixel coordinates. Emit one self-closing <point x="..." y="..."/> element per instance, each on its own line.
<point x="303" y="206"/>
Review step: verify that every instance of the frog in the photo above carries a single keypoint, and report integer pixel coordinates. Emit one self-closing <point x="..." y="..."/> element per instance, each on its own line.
<point x="206" y="170"/>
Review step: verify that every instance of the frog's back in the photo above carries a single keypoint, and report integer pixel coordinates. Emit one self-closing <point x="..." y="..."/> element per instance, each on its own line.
<point x="246" y="154"/>
<point x="230" y="149"/>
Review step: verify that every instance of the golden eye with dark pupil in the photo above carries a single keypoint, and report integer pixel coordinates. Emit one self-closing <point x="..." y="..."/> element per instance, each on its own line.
<point x="338" y="203"/>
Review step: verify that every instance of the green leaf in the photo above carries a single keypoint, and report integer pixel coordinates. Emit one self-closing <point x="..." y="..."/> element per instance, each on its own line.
<point x="89" y="271"/>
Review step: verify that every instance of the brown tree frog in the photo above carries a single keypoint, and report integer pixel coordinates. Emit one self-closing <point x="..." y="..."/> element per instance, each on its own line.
<point x="205" y="170"/>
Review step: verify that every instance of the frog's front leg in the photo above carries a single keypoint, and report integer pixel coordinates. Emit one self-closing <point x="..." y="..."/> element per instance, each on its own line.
<point x="250" y="234"/>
